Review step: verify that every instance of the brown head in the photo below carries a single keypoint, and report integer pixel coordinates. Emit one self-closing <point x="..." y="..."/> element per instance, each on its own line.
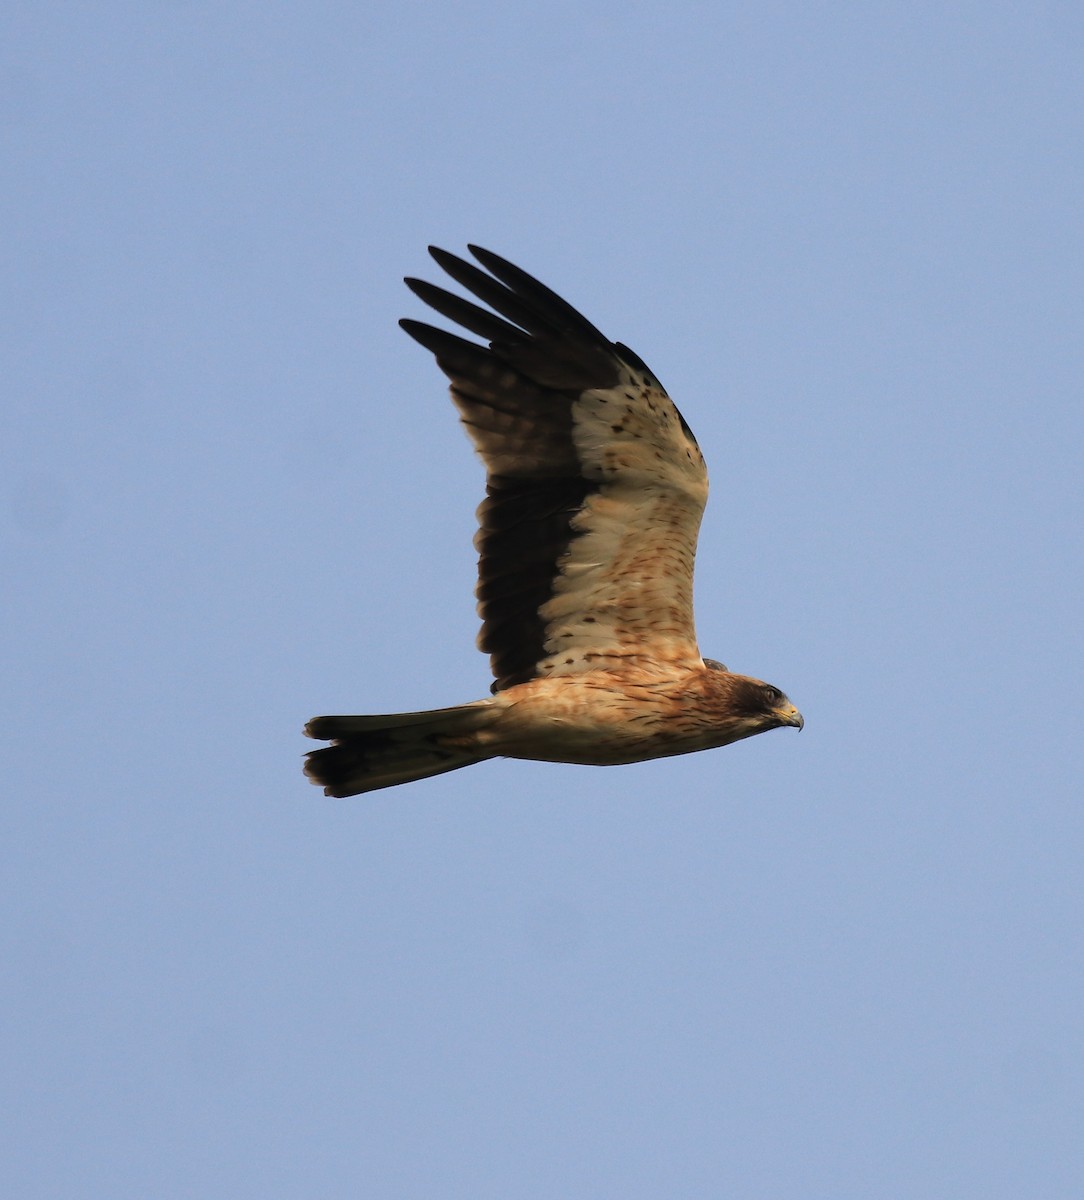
<point x="746" y="706"/>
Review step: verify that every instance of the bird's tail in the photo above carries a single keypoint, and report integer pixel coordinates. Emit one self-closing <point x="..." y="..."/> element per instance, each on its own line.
<point x="376" y="752"/>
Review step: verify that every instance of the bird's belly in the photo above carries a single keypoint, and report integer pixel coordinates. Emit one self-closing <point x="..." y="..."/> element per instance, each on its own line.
<point x="601" y="721"/>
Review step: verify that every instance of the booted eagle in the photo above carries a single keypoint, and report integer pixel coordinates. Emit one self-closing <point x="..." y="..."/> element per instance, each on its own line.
<point x="595" y="487"/>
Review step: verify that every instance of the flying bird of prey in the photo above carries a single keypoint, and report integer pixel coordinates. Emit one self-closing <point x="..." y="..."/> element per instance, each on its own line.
<point x="595" y="487"/>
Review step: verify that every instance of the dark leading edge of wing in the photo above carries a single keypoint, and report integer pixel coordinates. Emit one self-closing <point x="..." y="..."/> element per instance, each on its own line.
<point x="516" y="398"/>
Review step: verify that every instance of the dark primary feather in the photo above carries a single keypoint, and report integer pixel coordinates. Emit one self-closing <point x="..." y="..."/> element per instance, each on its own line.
<point x="455" y="308"/>
<point x="560" y="314"/>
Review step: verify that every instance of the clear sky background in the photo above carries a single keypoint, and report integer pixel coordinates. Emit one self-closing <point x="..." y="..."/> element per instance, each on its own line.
<point x="842" y="963"/>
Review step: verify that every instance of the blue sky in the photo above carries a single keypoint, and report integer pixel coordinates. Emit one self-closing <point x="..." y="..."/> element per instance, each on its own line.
<point x="846" y="963"/>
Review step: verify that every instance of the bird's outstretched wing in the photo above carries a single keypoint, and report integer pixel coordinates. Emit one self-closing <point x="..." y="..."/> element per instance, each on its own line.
<point x="595" y="485"/>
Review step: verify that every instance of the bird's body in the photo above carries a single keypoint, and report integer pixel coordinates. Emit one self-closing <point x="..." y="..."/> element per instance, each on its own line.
<point x="595" y="490"/>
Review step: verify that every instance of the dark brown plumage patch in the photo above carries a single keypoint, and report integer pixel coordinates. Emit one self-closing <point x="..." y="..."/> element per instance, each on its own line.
<point x="752" y="698"/>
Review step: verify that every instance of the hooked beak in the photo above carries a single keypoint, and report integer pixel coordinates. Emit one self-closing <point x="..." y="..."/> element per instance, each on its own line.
<point x="789" y="715"/>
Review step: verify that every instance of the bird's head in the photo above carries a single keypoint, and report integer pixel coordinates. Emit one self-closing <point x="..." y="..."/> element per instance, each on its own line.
<point x="751" y="705"/>
<point x="765" y="704"/>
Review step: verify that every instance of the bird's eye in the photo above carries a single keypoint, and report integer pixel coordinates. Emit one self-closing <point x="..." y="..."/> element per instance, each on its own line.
<point x="773" y="695"/>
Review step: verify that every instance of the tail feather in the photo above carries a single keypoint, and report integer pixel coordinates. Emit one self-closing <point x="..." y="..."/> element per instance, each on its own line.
<point x="371" y="752"/>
